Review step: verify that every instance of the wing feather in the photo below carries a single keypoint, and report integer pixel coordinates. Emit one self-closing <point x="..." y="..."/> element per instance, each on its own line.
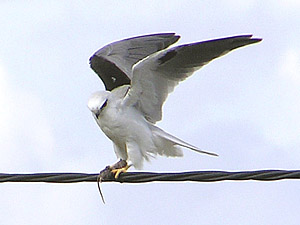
<point x="157" y="75"/>
<point x="113" y="63"/>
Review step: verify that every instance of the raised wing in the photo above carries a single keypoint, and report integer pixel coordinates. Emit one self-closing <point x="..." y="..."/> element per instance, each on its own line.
<point x="113" y="63"/>
<point x="156" y="76"/>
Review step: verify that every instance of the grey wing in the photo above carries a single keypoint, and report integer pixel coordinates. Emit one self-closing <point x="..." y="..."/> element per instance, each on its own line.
<point x="113" y="63"/>
<point x="156" y="76"/>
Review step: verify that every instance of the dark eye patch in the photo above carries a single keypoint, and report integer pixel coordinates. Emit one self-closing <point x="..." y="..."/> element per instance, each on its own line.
<point x="104" y="104"/>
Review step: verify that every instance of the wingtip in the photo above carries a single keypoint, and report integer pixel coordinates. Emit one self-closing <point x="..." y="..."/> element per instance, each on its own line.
<point x="256" y="39"/>
<point x="176" y="37"/>
<point x="205" y="152"/>
<point x="246" y="40"/>
<point x="168" y="35"/>
<point x="250" y="37"/>
<point x="215" y="154"/>
<point x="211" y="153"/>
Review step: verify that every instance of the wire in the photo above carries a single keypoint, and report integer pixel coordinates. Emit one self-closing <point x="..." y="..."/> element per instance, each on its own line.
<point x="141" y="177"/>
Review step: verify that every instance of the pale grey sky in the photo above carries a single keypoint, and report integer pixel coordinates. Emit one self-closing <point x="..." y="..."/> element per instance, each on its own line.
<point x="244" y="106"/>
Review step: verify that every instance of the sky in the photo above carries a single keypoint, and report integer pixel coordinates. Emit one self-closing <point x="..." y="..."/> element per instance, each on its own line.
<point x="244" y="106"/>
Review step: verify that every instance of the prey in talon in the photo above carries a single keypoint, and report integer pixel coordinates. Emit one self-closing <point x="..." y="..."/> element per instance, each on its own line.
<point x="113" y="171"/>
<point x="138" y="74"/>
<point x="110" y="172"/>
<point x="119" y="167"/>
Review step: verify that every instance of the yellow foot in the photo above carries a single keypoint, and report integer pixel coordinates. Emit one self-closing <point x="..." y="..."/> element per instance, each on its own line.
<point x="118" y="171"/>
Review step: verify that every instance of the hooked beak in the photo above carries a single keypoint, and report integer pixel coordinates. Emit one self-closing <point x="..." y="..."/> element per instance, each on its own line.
<point x="97" y="114"/>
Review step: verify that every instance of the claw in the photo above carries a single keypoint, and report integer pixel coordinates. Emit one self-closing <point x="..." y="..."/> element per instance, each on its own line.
<point x="119" y="167"/>
<point x="118" y="171"/>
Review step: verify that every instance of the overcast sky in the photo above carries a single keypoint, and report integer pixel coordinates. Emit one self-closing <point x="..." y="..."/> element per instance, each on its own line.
<point x="245" y="106"/>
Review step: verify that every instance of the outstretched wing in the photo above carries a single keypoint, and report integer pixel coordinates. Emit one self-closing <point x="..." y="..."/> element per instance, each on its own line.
<point x="157" y="75"/>
<point x="113" y="63"/>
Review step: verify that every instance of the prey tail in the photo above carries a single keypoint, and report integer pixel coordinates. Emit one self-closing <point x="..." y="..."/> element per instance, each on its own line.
<point x="159" y="132"/>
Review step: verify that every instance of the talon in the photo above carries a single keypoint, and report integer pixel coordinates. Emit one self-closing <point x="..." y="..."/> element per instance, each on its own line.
<point x="118" y="171"/>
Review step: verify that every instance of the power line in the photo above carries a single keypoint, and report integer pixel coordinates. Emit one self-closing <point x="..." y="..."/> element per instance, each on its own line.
<point x="142" y="177"/>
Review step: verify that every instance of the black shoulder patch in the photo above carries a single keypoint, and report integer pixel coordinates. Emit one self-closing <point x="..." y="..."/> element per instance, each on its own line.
<point x="111" y="75"/>
<point x="169" y="55"/>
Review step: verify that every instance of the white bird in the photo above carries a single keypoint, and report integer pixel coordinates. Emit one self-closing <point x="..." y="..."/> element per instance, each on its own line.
<point x="138" y="74"/>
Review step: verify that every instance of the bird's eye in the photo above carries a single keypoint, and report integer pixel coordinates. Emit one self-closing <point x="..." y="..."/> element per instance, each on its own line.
<point x="104" y="104"/>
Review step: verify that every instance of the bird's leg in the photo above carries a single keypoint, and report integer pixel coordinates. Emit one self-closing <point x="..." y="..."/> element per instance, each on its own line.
<point x="119" y="167"/>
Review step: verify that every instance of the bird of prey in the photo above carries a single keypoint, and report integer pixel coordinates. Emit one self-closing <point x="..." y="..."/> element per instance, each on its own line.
<point x="138" y="74"/>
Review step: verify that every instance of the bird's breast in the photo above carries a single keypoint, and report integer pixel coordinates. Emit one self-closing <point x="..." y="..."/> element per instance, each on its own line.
<point x="113" y="124"/>
<point x="121" y="124"/>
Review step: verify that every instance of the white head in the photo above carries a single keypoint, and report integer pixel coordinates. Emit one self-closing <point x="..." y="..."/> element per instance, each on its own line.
<point x="97" y="101"/>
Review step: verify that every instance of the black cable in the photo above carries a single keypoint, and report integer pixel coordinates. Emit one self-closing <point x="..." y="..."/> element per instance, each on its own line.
<point x="141" y="177"/>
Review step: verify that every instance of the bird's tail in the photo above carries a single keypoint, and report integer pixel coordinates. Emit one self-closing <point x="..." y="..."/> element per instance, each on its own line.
<point x="172" y="142"/>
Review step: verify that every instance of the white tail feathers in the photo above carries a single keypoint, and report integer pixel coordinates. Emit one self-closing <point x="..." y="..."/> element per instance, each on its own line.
<point x="159" y="132"/>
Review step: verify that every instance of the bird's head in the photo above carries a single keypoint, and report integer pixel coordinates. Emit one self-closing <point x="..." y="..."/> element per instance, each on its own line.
<point x="97" y="102"/>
